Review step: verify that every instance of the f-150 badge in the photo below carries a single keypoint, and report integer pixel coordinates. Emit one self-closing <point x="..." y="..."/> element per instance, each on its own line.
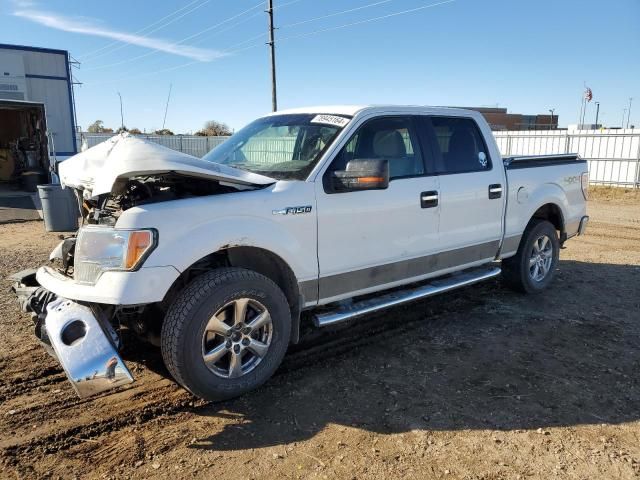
<point x="292" y="210"/>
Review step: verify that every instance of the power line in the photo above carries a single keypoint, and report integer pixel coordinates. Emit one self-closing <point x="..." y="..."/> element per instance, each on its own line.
<point x="315" y="32"/>
<point x="288" y="25"/>
<point x="146" y="35"/>
<point x="232" y="49"/>
<point x="143" y="30"/>
<point x="208" y="29"/>
<point x="360" y="22"/>
<point x="180" y="42"/>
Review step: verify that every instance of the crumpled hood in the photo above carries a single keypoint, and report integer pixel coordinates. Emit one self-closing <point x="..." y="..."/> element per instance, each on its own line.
<point x="106" y="167"/>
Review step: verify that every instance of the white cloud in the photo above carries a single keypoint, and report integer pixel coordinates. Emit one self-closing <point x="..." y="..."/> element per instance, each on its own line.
<point x="89" y="27"/>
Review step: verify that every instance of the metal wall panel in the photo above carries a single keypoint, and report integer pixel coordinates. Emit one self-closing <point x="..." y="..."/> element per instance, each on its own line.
<point x="55" y="96"/>
<point x="41" y="63"/>
<point x="47" y="80"/>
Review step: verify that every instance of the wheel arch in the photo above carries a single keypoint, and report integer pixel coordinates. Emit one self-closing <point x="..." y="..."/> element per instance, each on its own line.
<point x="551" y="212"/>
<point x="257" y="259"/>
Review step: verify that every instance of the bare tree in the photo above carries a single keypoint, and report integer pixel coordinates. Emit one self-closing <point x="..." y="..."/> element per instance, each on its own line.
<point x="98" y="127"/>
<point x="213" y="128"/>
<point x="163" y="131"/>
<point x="135" y="131"/>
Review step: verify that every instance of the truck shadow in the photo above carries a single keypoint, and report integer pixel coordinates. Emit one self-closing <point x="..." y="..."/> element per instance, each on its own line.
<point x="479" y="358"/>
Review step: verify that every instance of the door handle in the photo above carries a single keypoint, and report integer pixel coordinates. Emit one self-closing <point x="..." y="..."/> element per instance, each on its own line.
<point x="495" y="191"/>
<point x="429" y="199"/>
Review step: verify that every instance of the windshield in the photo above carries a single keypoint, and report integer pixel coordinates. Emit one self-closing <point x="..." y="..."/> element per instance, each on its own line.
<point x="280" y="146"/>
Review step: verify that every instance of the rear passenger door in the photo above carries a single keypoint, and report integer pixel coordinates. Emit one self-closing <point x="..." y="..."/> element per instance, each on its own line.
<point x="471" y="202"/>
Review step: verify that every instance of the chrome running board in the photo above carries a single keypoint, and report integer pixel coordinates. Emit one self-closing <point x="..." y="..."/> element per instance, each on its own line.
<point x="434" y="287"/>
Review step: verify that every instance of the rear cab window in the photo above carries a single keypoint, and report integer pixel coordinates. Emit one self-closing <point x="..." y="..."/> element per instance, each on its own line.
<point x="457" y="144"/>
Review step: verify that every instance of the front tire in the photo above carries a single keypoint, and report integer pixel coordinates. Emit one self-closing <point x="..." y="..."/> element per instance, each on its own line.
<point x="533" y="267"/>
<point x="226" y="333"/>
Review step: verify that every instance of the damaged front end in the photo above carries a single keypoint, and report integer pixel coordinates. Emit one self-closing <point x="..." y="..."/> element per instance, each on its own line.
<point x="97" y="278"/>
<point x="78" y="336"/>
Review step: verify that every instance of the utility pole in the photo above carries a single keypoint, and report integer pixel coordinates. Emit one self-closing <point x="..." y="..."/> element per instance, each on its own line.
<point x="166" y="108"/>
<point x="624" y="114"/>
<point x="551" y="123"/>
<point x="121" y="112"/>
<point x="597" y="113"/>
<point x="272" y="46"/>
<point x="629" y="111"/>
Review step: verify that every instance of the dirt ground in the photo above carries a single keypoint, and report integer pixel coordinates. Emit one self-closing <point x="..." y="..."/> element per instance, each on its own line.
<point x="482" y="383"/>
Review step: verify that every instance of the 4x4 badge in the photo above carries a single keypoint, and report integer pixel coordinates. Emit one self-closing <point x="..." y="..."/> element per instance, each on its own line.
<point x="292" y="210"/>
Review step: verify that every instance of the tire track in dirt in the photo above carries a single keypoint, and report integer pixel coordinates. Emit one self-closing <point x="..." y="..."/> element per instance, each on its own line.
<point x="69" y="437"/>
<point x="335" y="343"/>
<point x="151" y="402"/>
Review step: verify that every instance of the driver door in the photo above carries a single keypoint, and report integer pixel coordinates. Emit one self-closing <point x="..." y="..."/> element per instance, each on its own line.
<point x="374" y="239"/>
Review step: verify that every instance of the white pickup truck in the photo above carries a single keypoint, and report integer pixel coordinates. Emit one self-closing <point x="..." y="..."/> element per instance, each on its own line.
<point x="339" y="211"/>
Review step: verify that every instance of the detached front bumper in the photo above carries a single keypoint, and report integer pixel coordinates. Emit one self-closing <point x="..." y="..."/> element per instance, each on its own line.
<point x="83" y="348"/>
<point x="83" y="343"/>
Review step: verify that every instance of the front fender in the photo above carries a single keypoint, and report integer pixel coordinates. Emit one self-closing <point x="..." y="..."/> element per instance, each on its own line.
<point x="191" y="229"/>
<point x="183" y="250"/>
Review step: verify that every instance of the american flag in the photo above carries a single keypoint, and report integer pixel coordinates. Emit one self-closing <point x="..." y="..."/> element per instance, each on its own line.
<point x="588" y="94"/>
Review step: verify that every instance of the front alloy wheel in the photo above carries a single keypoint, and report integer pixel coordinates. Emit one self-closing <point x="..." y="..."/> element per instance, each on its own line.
<point x="236" y="338"/>
<point x="226" y="333"/>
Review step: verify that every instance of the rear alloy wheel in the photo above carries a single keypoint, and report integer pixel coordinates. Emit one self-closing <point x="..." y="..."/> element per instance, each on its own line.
<point x="226" y="333"/>
<point x="532" y="268"/>
<point x="541" y="258"/>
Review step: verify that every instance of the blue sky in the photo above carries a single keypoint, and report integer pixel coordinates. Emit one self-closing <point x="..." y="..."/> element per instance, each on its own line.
<point x="528" y="56"/>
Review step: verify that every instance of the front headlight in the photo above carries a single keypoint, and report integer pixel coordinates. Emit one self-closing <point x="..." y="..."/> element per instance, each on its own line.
<point x="101" y="249"/>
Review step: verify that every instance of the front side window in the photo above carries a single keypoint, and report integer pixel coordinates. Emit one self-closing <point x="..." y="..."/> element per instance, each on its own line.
<point x="388" y="138"/>
<point x="459" y="146"/>
<point x="280" y="146"/>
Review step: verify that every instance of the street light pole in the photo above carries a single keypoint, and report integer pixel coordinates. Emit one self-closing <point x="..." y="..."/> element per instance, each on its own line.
<point x="629" y="112"/>
<point x="551" y="123"/>
<point x="597" y="112"/>
<point x="624" y="114"/>
<point x="121" y="112"/>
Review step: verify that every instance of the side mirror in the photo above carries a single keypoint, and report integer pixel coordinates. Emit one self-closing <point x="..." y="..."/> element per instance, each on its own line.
<point x="362" y="174"/>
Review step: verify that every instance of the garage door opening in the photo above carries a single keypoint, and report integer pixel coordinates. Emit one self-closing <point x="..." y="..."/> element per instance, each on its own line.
<point x="24" y="158"/>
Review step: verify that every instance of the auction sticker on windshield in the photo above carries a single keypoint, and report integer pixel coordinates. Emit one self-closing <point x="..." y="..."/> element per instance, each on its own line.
<point x="330" y="120"/>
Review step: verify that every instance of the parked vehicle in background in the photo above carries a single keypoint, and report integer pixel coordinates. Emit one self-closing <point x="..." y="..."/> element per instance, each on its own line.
<point x="338" y="211"/>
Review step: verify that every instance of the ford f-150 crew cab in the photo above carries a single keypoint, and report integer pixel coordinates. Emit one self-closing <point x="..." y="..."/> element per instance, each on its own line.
<point x="336" y="212"/>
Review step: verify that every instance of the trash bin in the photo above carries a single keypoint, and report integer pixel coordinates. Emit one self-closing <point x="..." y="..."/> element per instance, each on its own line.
<point x="59" y="208"/>
<point x="30" y="180"/>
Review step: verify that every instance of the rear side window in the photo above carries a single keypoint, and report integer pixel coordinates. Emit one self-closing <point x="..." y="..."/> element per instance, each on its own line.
<point x="459" y="146"/>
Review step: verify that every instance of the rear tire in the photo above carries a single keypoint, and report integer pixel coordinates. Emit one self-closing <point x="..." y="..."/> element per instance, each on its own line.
<point x="532" y="268"/>
<point x="226" y="333"/>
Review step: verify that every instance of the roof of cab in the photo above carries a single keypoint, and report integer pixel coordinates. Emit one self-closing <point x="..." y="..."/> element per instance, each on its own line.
<point x="352" y="110"/>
